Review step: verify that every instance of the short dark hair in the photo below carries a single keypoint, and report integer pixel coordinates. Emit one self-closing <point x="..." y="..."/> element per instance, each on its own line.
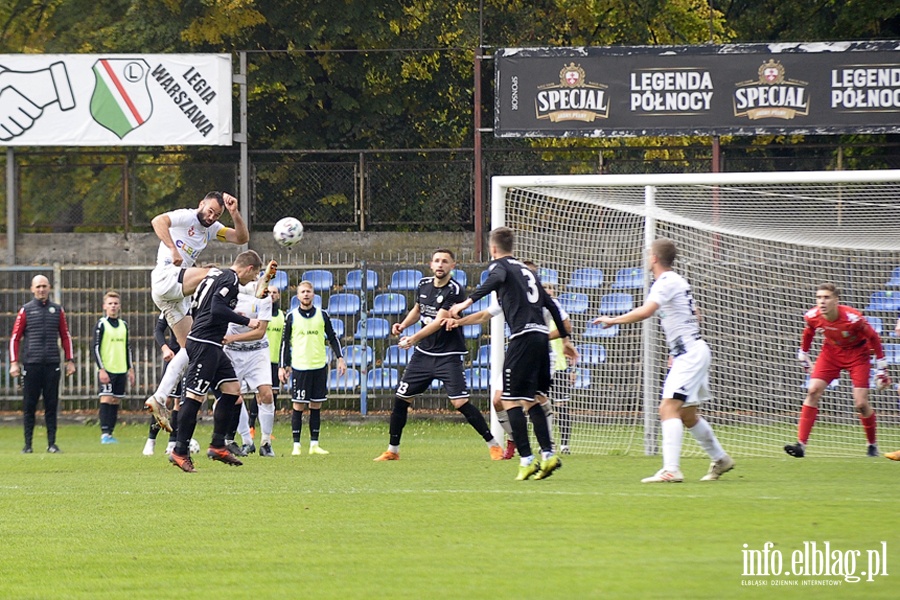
<point x="665" y="251"/>
<point x="829" y="287"/>
<point x="444" y="251"/>
<point x="503" y="238"/>
<point x="247" y="259"/>
<point x="217" y="196"/>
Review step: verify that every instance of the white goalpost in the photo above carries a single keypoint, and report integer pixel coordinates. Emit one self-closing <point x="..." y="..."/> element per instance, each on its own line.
<point x="753" y="246"/>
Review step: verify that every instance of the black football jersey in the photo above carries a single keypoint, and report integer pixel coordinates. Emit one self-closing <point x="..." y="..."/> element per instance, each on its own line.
<point x="520" y="295"/>
<point x="212" y="306"/>
<point x="431" y="300"/>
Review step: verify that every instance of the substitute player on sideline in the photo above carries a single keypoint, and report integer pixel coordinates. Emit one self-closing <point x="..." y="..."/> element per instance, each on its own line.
<point x="115" y="367"/>
<point x="848" y="345"/>
<point x="526" y="368"/>
<point x="209" y="367"/>
<point x="438" y="354"/>
<point x="183" y="234"/>
<point x="687" y="383"/>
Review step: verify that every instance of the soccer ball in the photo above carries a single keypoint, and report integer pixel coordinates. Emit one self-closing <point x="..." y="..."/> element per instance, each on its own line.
<point x="288" y="231"/>
<point x="194" y="446"/>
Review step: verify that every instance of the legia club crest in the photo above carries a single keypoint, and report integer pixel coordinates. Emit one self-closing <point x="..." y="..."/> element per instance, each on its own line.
<point x="121" y="101"/>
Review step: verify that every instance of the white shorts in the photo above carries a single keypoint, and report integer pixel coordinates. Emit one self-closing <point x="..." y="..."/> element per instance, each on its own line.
<point x="167" y="293"/>
<point x="252" y="367"/>
<point x="689" y="376"/>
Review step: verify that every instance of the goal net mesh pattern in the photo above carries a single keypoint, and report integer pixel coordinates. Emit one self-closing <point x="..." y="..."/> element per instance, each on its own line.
<point x="754" y="255"/>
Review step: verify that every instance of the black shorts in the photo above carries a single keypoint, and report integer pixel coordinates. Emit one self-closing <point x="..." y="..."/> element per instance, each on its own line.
<point x="526" y="368"/>
<point x="276" y="381"/>
<point x="561" y="390"/>
<point x="116" y="385"/>
<point x="424" y="368"/>
<point x="208" y="368"/>
<point x="310" y="386"/>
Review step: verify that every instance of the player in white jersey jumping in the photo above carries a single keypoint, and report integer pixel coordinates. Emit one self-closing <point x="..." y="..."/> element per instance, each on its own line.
<point x="248" y="350"/>
<point x="687" y="384"/>
<point x="183" y="234"/>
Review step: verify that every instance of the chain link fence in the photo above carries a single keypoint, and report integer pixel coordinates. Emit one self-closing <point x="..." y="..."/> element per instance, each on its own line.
<point x="414" y="190"/>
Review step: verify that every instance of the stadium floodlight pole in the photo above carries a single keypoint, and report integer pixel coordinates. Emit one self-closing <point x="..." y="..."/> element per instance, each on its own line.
<point x="649" y="382"/>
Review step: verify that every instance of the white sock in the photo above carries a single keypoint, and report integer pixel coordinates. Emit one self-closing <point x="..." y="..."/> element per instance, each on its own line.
<point x="313" y="443"/>
<point x="704" y="435"/>
<point x="266" y="421"/>
<point x="244" y="425"/>
<point x="173" y="374"/>
<point x="503" y="419"/>
<point x="394" y="449"/>
<point x="672" y="434"/>
<point x="524" y="461"/>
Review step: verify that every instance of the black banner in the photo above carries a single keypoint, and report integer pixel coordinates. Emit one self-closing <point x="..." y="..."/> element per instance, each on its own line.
<point x="744" y="89"/>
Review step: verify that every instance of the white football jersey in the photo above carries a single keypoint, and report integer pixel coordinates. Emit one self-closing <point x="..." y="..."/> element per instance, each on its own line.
<point x="253" y="308"/>
<point x="676" y="311"/>
<point x="189" y="236"/>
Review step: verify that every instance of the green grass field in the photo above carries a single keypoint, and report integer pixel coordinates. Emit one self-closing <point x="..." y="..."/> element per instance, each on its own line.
<point x="443" y="522"/>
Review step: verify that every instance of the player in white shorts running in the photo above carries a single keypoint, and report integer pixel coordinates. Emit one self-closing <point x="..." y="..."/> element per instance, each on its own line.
<point x="687" y="384"/>
<point x="183" y="234"/>
<point x="248" y="350"/>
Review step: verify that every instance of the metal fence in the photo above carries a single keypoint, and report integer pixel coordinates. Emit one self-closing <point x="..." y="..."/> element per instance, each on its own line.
<point x="371" y="190"/>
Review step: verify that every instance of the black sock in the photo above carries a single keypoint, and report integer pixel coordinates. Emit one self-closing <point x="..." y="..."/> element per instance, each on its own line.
<point x="154" y="428"/>
<point x="113" y="417"/>
<point x="104" y="417"/>
<point x="398" y="420"/>
<point x="541" y="429"/>
<point x="234" y="419"/>
<point x="252" y="412"/>
<point x="520" y="429"/>
<point x="476" y="420"/>
<point x="315" y="423"/>
<point x="296" y="424"/>
<point x="187" y="422"/>
<point x="173" y="421"/>
<point x="223" y="415"/>
<point x="564" y="419"/>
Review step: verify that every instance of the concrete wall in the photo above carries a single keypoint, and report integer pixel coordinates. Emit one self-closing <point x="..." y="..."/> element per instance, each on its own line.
<point x="316" y="247"/>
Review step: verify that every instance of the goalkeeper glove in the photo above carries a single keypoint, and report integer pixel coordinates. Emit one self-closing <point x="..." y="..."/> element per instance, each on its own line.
<point x="803" y="358"/>
<point x="882" y="379"/>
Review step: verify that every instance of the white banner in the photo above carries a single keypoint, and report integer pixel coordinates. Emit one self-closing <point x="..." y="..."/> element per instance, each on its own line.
<point x="115" y="99"/>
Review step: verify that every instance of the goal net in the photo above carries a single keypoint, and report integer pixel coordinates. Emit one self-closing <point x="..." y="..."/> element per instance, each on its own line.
<point x="754" y="247"/>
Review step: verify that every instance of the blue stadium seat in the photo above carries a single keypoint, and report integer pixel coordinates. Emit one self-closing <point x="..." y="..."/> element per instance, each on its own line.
<point x="629" y="279"/>
<point x="549" y="276"/>
<point x="598" y="331"/>
<point x="574" y="303"/>
<point x="395" y="356"/>
<point x="280" y="281"/>
<point x="876" y="323"/>
<point x="376" y="329"/>
<point x="478" y="378"/>
<point x="389" y="304"/>
<point x="472" y="332"/>
<point x="404" y="280"/>
<point x="483" y="358"/>
<point x="354" y="280"/>
<point x="295" y="302"/>
<point x="413" y="329"/>
<point x="591" y="354"/>
<point x="460" y="276"/>
<point x="357" y="355"/>
<point x="343" y="304"/>
<point x="894" y="281"/>
<point x="884" y="301"/>
<point x="616" y="304"/>
<point x="338" y="327"/>
<point x="321" y="279"/>
<point x="478" y="306"/>
<point x="892" y="353"/>
<point x="343" y="383"/>
<point x="382" y="379"/>
<point x="586" y="278"/>
<point x="582" y="379"/>
<point x="436" y="385"/>
<point x="484" y="275"/>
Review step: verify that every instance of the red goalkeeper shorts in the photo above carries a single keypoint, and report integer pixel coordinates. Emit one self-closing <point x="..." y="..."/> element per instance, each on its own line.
<point x="832" y="361"/>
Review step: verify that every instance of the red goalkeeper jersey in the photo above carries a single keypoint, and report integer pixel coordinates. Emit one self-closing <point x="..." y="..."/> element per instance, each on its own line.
<point x="849" y="331"/>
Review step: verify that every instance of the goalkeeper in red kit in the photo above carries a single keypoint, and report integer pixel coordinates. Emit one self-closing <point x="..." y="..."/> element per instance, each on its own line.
<point x="848" y="345"/>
